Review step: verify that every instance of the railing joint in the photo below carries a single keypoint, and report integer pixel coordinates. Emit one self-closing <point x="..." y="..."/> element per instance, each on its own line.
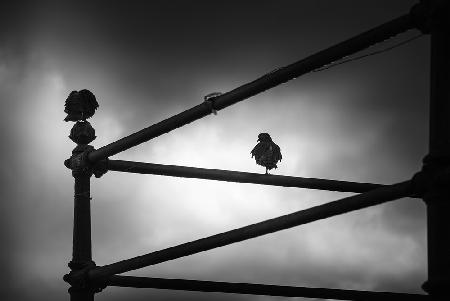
<point x="79" y="279"/>
<point x="427" y="15"/>
<point x="80" y="164"/>
<point x="433" y="178"/>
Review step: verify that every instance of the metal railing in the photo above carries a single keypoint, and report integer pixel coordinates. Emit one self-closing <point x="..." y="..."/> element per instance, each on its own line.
<point x="431" y="183"/>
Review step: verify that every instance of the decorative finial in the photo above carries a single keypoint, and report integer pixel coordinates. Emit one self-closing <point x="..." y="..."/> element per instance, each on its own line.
<point x="82" y="133"/>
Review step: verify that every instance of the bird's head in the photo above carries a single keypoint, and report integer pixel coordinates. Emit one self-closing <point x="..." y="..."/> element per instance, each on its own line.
<point x="264" y="137"/>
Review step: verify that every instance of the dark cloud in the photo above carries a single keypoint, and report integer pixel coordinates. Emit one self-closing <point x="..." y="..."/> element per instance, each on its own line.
<point x="145" y="61"/>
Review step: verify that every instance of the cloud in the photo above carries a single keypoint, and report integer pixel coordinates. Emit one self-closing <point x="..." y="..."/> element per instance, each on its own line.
<point x="347" y="123"/>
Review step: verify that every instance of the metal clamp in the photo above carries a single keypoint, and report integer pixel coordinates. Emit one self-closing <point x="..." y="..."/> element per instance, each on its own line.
<point x="434" y="176"/>
<point x="80" y="164"/>
<point x="209" y="100"/>
<point x="79" y="279"/>
<point x="427" y="15"/>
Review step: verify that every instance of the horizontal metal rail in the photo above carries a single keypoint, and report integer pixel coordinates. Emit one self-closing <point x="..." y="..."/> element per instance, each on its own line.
<point x="238" y="176"/>
<point x="259" y="85"/>
<point x="260" y="289"/>
<point x="344" y="205"/>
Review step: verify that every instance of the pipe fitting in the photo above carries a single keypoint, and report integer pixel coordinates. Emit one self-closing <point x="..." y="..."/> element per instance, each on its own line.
<point x="434" y="176"/>
<point x="80" y="165"/>
<point x="79" y="279"/>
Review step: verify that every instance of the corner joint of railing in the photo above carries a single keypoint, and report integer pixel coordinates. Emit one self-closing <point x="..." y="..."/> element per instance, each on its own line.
<point x="434" y="177"/>
<point x="79" y="279"/>
<point x="80" y="165"/>
<point x="427" y="15"/>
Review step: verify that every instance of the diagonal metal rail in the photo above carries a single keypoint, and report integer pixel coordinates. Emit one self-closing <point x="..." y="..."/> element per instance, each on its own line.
<point x="259" y="85"/>
<point x="259" y="289"/>
<point x="238" y="176"/>
<point x="344" y="205"/>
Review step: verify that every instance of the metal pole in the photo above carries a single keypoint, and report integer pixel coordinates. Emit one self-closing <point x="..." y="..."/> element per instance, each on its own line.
<point x="82" y="248"/>
<point x="82" y="222"/>
<point x="259" y="85"/>
<point x="238" y="176"/>
<point x="82" y="133"/>
<point x="259" y="289"/>
<point x="437" y="198"/>
<point x="371" y="198"/>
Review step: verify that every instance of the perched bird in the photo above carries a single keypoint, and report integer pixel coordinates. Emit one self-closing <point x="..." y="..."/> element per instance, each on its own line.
<point x="80" y="105"/>
<point x="266" y="152"/>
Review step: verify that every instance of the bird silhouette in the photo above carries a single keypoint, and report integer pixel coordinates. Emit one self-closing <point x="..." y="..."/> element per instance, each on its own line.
<point x="266" y="152"/>
<point x="80" y="105"/>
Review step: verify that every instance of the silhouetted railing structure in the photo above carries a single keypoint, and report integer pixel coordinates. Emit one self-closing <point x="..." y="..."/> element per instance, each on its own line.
<point x="432" y="183"/>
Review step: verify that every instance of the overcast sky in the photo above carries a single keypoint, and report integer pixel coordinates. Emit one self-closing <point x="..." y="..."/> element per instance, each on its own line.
<point x="148" y="60"/>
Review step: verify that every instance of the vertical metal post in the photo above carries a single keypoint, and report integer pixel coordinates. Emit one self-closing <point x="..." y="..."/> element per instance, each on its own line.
<point x="437" y="198"/>
<point x="82" y="247"/>
<point x="79" y="106"/>
<point x="82" y="221"/>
